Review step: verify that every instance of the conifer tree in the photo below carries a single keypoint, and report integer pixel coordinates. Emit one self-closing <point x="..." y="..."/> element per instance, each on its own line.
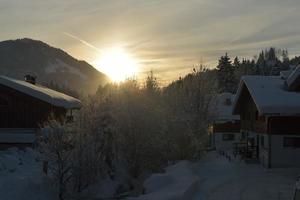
<point x="236" y="62"/>
<point x="226" y="78"/>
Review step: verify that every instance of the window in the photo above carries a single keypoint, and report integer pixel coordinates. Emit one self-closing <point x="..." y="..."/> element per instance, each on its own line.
<point x="291" y="142"/>
<point x="228" y="137"/>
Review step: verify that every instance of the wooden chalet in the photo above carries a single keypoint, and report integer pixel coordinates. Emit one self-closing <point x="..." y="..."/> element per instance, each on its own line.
<point x="270" y="118"/>
<point x="225" y="130"/>
<point x="24" y="106"/>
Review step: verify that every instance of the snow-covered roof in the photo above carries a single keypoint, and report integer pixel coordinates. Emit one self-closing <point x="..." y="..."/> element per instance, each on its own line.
<point x="293" y="77"/>
<point x="285" y="74"/>
<point x="269" y="95"/>
<point x="223" y="108"/>
<point x="45" y="94"/>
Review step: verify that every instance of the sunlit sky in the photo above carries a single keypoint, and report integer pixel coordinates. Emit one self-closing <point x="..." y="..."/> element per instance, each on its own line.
<point x="166" y="36"/>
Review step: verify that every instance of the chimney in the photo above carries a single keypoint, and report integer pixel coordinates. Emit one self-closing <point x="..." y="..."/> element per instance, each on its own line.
<point x="30" y="79"/>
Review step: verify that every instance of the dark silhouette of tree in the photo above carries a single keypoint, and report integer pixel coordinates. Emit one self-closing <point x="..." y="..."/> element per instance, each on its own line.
<point x="226" y="78"/>
<point x="236" y="62"/>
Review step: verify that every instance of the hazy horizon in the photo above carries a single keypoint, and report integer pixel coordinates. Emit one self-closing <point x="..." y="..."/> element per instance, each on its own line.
<point x="168" y="37"/>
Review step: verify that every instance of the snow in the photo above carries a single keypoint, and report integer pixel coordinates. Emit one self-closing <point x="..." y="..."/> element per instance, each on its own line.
<point x="178" y="183"/>
<point x="223" y="111"/>
<point x="237" y="180"/>
<point x="45" y="94"/>
<point x="215" y="178"/>
<point x="269" y="95"/>
<point x="293" y="77"/>
<point x="285" y="74"/>
<point x="211" y="178"/>
<point x="60" y="66"/>
<point x="104" y="189"/>
<point x="22" y="177"/>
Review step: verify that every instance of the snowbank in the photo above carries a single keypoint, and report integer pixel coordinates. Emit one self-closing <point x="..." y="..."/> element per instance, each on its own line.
<point x="22" y="177"/>
<point x="177" y="183"/>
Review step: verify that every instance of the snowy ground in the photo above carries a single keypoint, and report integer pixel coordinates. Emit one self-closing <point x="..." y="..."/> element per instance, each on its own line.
<point x="236" y="180"/>
<point x="214" y="178"/>
<point x="21" y="177"/>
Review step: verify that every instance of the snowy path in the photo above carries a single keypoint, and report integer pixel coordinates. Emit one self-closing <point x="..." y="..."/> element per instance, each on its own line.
<point x="221" y="179"/>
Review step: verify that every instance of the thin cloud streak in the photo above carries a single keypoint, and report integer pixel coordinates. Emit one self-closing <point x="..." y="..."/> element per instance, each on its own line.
<point x="168" y="36"/>
<point x="82" y="41"/>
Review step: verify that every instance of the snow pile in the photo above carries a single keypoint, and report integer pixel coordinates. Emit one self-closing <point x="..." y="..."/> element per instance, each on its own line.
<point x="22" y="177"/>
<point x="177" y="183"/>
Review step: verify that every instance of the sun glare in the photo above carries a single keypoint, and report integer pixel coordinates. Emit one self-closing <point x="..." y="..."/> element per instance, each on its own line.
<point x="117" y="64"/>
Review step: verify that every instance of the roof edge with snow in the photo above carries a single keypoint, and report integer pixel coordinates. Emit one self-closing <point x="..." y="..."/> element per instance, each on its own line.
<point x="269" y="95"/>
<point x="47" y="95"/>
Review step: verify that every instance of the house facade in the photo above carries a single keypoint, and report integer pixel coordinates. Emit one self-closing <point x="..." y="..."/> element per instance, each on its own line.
<point x="25" y="106"/>
<point x="225" y="130"/>
<point x="270" y="116"/>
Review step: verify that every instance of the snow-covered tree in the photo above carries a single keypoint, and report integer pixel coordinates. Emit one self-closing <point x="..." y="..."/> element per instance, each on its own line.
<point x="57" y="149"/>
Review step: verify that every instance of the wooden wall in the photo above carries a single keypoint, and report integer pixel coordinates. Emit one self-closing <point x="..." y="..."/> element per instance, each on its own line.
<point x="227" y="127"/>
<point x="250" y="118"/>
<point x="18" y="110"/>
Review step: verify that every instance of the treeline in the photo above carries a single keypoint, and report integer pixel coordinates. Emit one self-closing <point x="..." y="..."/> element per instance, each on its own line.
<point x="269" y="62"/>
<point x="129" y="130"/>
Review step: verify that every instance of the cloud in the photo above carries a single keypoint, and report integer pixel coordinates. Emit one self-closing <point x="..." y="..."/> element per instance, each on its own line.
<point x="82" y="41"/>
<point x="168" y="36"/>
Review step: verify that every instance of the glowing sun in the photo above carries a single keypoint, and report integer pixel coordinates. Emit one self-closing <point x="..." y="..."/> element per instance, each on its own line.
<point x="117" y="64"/>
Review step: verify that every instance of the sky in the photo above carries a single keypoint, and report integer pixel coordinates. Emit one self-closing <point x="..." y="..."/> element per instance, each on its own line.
<point x="166" y="36"/>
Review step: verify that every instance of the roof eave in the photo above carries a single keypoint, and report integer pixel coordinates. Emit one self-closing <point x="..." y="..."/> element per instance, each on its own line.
<point x="237" y="97"/>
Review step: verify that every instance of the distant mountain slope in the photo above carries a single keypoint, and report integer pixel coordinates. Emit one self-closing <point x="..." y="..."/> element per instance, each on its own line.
<point x="49" y="64"/>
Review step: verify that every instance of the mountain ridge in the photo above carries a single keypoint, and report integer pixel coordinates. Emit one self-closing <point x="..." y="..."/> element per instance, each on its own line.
<point x="50" y="64"/>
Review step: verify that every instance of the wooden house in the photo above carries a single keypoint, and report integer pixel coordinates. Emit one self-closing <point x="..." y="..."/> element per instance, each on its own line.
<point x="270" y="119"/>
<point x="24" y="106"/>
<point x="225" y="129"/>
